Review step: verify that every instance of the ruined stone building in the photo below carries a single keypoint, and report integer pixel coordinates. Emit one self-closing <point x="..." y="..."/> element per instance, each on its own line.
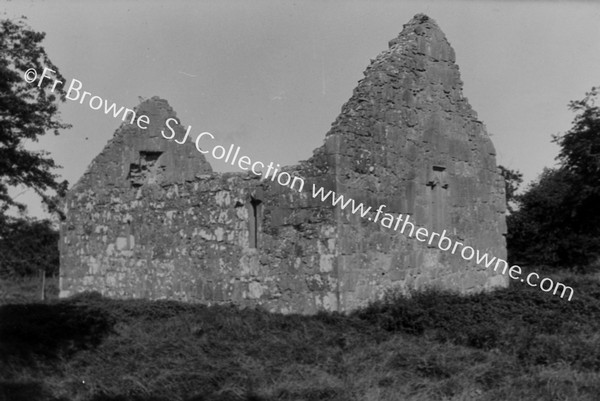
<point x="151" y="219"/>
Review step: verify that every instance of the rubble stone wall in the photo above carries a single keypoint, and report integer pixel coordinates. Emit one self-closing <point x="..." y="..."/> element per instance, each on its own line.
<point x="408" y="139"/>
<point x="150" y="219"/>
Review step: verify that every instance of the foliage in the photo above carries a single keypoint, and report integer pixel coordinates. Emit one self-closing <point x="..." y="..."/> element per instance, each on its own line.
<point x="534" y="327"/>
<point x="558" y="220"/>
<point x="542" y="232"/>
<point x="19" y="290"/>
<point x="27" y="246"/>
<point x="512" y="180"/>
<point x="516" y="343"/>
<point x="580" y="156"/>
<point x="27" y="111"/>
<point x="580" y="146"/>
<point x="51" y="330"/>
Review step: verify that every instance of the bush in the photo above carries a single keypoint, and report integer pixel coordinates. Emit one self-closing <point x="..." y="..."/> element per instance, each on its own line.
<point x="27" y="246"/>
<point x="50" y="330"/>
<point x="536" y="327"/>
<point x="558" y="221"/>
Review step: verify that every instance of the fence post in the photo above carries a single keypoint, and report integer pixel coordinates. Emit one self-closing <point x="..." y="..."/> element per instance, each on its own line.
<point x="43" y="272"/>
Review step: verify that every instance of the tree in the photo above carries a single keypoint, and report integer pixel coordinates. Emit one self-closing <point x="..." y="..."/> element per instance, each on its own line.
<point x="580" y="146"/>
<point x="558" y="220"/>
<point x="580" y="155"/>
<point x="512" y="180"/>
<point x="541" y="231"/>
<point x="27" y="111"/>
<point x="27" y="246"/>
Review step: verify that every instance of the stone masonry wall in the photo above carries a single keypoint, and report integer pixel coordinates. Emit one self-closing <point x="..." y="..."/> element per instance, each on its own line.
<point x="408" y="139"/>
<point x="150" y="219"/>
<point x="164" y="233"/>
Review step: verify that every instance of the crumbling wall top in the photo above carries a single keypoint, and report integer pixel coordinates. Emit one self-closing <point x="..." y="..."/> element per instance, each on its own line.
<point x="138" y="154"/>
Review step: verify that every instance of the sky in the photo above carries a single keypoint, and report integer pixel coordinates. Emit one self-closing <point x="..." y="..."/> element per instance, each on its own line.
<point x="271" y="76"/>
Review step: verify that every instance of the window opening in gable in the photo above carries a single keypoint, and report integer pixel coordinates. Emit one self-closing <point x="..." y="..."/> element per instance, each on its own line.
<point x="147" y="170"/>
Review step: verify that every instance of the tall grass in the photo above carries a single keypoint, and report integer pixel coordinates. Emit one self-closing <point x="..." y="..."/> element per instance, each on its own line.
<point x="27" y="289"/>
<point x="514" y="344"/>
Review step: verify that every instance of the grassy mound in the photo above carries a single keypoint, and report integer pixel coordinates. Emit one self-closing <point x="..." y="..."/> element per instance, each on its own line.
<point x="515" y="344"/>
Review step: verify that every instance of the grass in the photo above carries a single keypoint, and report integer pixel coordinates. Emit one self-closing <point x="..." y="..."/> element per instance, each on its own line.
<point x="27" y="289"/>
<point x="514" y="344"/>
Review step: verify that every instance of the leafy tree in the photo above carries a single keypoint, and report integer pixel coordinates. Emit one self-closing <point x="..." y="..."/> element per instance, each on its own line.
<point x="27" y="246"/>
<point x="558" y="220"/>
<point x="580" y="155"/>
<point x="27" y="111"/>
<point x="580" y="146"/>
<point x="540" y="231"/>
<point x="512" y="180"/>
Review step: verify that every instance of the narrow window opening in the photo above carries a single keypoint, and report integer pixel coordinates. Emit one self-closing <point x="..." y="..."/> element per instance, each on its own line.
<point x="439" y="187"/>
<point x="254" y="221"/>
<point x="128" y="235"/>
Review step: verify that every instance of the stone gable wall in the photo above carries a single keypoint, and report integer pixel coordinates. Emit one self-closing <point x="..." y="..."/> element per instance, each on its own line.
<point x="151" y="219"/>
<point x="408" y="139"/>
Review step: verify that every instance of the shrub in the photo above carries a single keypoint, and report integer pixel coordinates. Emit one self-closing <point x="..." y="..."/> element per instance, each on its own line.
<point x="27" y="246"/>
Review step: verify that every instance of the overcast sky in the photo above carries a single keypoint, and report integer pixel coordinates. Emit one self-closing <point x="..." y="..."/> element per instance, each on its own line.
<point x="271" y="76"/>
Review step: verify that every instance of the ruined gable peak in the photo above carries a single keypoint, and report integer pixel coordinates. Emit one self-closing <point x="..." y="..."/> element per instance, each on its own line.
<point x="406" y="115"/>
<point x="421" y="40"/>
<point x="139" y="154"/>
<point x="414" y="79"/>
<point x="422" y="26"/>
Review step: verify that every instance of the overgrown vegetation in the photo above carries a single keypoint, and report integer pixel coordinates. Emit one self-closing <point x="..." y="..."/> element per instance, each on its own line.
<point x="17" y="290"/>
<point x="28" y="246"/>
<point x="28" y="112"/>
<point x="557" y="222"/>
<point x="517" y="343"/>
